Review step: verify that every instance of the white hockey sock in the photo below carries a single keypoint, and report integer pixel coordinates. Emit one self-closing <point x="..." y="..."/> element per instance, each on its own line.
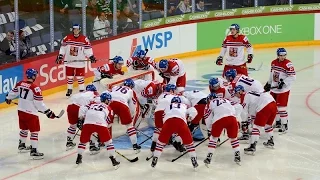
<point x="132" y="133"/>
<point x="212" y="144"/>
<point x="80" y="82"/>
<point x="255" y="134"/>
<point x="156" y="134"/>
<point x="93" y="138"/>
<point x="72" y="130"/>
<point x="23" y="135"/>
<point x="159" y="148"/>
<point x="235" y="144"/>
<point x="70" y="82"/>
<point x="191" y="150"/>
<point x="81" y="147"/>
<point x="34" y="139"/>
<point x="269" y="130"/>
<point x="282" y="111"/>
<point x="110" y="148"/>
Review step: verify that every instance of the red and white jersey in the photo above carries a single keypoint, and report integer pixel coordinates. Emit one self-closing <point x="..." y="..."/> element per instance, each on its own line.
<point x="107" y="69"/>
<point x="248" y="83"/>
<point x="84" y="98"/>
<point x="124" y="95"/>
<point x="218" y="108"/>
<point x="146" y="88"/>
<point x="175" y="70"/>
<point x="234" y="47"/>
<point x="140" y="64"/>
<point x="253" y="102"/>
<point x="179" y="110"/>
<point x="194" y="96"/>
<point x="282" y="70"/>
<point x="30" y="97"/>
<point x="95" y="113"/>
<point x="223" y="82"/>
<point x="75" y="48"/>
<point x="163" y="101"/>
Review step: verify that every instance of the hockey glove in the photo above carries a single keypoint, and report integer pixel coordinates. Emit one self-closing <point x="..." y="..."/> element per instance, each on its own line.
<point x="105" y="75"/>
<point x="219" y="61"/>
<point x="80" y="123"/>
<point x="59" y="59"/>
<point x="267" y="87"/>
<point x="92" y="59"/>
<point x="50" y="114"/>
<point x="250" y="57"/>
<point x="281" y="83"/>
<point x="8" y="101"/>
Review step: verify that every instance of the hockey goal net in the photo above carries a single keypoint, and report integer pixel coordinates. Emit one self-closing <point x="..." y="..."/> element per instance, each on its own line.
<point x="117" y="80"/>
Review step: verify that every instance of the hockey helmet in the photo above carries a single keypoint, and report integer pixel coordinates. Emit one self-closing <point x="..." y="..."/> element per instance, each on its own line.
<point x="230" y="73"/>
<point x="211" y="96"/>
<point x="91" y="87"/>
<point x="214" y="82"/>
<point x="238" y="89"/>
<point x="140" y="54"/>
<point x="235" y="26"/>
<point x="105" y="96"/>
<point x="281" y="52"/>
<point x="129" y="82"/>
<point x="118" y="59"/>
<point x="170" y="87"/>
<point x="163" y="64"/>
<point x="31" y="73"/>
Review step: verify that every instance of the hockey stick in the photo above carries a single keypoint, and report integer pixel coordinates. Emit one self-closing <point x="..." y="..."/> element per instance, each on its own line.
<point x="222" y="142"/>
<point x="59" y="115"/>
<point x="173" y="160"/>
<point x="256" y="69"/>
<point x="75" y="134"/>
<point x="145" y="140"/>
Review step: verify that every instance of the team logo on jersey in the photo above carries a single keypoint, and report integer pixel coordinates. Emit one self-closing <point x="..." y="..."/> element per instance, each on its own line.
<point x="74" y="51"/>
<point x="276" y="76"/>
<point x="233" y="52"/>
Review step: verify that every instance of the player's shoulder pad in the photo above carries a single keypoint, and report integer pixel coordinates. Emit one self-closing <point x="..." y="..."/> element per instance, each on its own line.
<point x="289" y="64"/>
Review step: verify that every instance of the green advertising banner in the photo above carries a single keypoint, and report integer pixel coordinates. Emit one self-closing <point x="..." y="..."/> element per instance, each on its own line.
<point x="259" y="30"/>
<point x="230" y="12"/>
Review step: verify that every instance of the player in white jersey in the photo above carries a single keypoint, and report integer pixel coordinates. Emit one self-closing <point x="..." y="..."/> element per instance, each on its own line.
<point x="141" y="62"/>
<point x="78" y="100"/>
<point x="29" y="103"/>
<point x="234" y="45"/>
<point x="282" y="76"/>
<point x="175" y="120"/>
<point x="75" y="49"/>
<point x="95" y="117"/>
<point x="248" y="83"/>
<point x="173" y="72"/>
<point x="264" y="108"/>
<point x="219" y="115"/>
<point x="124" y="104"/>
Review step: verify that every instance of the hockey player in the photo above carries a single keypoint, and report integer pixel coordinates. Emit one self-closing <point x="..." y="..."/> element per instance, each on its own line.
<point x="282" y="76"/>
<point x="220" y="90"/>
<point x="108" y="70"/>
<point x="75" y="49"/>
<point x="30" y="102"/>
<point x="248" y="83"/>
<point x="95" y="116"/>
<point x="234" y="45"/>
<point x="78" y="100"/>
<point x="172" y="71"/>
<point x="141" y="62"/>
<point x="147" y="91"/>
<point x="220" y="114"/>
<point x="175" y="121"/>
<point x="124" y="104"/>
<point x="264" y="108"/>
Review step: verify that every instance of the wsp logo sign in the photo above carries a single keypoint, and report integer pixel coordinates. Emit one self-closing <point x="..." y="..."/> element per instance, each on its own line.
<point x="151" y="41"/>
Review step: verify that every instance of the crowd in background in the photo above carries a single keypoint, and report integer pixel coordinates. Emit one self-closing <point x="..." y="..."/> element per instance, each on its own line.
<point x="99" y="16"/>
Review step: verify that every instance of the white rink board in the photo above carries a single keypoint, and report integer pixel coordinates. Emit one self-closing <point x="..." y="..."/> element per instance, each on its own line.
<point x="184" y="39"/>
<point x="317" y="26"/>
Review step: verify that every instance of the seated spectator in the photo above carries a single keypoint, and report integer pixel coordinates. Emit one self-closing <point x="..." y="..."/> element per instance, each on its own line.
<point x="184" y="7"/>
<point x="126" y="20"/>
<point x="63" y="5"/>
<point x="101" y="27"/>
<point x="8" y="45"/>
<point x="24" y="45"/>
<point x="200" y="6"/>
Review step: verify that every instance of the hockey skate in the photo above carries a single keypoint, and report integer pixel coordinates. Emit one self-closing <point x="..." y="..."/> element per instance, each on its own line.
<point x="69" y="92"/>
<point x="244" y="137"/>
<point x="115" y="163"/>
<point x="154" y="162"/>
<point x="79" y="159"/>
<point x="269" y="143"/>
<point x="194" y="162"/>
<point x="207" y="161"/>
<point x="70" y="145"/>
<point x="34" y="154"/>
<point x="283" y="129"/>
<point x="237" y="158"/>
<point x="251" y="149"/>
<point x="136" y="148"/>
<point x="81" y="90"/>
<point x="23" y="148"/>
<point x="93" y="148"/>
<point x="178" y="146"/>
<point x="153" y="146"/>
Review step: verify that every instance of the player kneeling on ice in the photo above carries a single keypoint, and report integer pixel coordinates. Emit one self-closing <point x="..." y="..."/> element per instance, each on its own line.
<point x="248" y="83"/>
<point x="108" y="70"/>
<point x="78" y="100"/>
<point x="124" y="104"/>
<point x="175" y="121"/>
<point x="264" y="108"/>
<point x="95" y="117"/>
<point x="219" y="115"/>
<point x="141" y="62"/>
<point x="172" y="71"/>
<point x="30" y="102"/>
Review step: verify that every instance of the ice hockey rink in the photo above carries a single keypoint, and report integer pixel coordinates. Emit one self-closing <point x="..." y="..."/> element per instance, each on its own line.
<point x="296" y="155"/>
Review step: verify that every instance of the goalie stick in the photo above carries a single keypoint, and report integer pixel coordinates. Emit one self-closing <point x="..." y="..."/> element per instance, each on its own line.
<point x="59" y="115"/>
